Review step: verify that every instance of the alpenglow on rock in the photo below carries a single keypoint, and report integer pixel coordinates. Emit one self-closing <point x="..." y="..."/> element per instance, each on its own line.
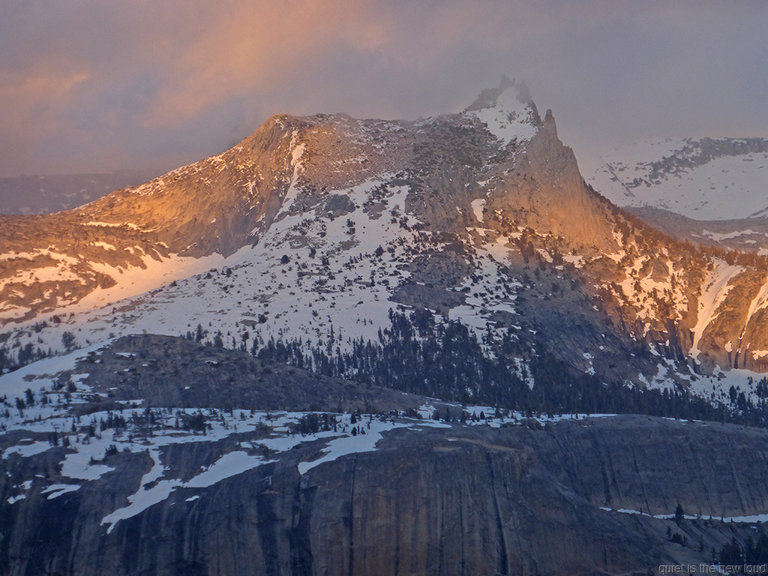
<point x="314" y="231"/>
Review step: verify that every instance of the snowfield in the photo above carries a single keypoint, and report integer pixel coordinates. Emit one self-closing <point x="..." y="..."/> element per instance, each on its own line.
<point x="723" y="187"/>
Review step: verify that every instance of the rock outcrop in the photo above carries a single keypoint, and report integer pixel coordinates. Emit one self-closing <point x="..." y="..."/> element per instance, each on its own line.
<point x="458" y="500"/>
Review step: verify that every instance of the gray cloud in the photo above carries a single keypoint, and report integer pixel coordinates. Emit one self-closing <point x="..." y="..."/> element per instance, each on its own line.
<point x="98" y="85"/>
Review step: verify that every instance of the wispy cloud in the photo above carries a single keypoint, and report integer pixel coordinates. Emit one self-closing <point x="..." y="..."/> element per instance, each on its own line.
<point x="249" y="48"/>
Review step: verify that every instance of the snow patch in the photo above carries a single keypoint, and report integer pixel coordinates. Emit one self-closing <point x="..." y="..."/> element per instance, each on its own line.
<point x="56" y="490"/>
<point x="715" y="289"/>
<point x="477" y="207"/>
<point x="751" y="519"/>
<point x="721" y="188"/>
<point x="27" y="450"/>
<point x="510" y="119"/>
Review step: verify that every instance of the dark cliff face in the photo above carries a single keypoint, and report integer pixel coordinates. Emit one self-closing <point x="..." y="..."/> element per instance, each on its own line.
<point x="457" y="500"/>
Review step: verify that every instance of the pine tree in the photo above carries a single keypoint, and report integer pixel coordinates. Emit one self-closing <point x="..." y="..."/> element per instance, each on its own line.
<point x="679" y="514"/>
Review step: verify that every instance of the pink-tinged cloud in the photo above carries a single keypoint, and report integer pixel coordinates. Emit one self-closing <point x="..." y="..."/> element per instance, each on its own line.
<point x="33" y="104"/>
<point x="96" y="85"/>
<point x="252" y="47"/>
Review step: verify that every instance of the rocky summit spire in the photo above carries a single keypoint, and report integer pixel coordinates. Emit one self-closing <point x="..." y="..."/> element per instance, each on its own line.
<point x="508" y="111"/>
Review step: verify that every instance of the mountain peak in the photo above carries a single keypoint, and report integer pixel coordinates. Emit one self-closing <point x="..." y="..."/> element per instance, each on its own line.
<point x="406" y="213"/>
<point x="507" y="110"/>
<point x="492" y="97"/>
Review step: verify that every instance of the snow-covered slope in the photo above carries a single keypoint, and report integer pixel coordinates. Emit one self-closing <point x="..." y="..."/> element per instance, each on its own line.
<point x="702" y="179"/>
<point x="323" y="233"/>
<point x="317" y="262"/>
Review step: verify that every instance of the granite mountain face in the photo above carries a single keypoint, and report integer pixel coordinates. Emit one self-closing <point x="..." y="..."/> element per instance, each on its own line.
<point x="366" y="347"/>
<point x="157" y="455"/>
<point x="480" y="217"/>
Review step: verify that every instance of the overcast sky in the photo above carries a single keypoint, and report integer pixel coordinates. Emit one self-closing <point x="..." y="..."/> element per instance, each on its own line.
<point x="101" y="85"/>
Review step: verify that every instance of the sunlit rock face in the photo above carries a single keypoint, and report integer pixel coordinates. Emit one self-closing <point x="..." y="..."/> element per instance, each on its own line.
<point x="480" y="217"/>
